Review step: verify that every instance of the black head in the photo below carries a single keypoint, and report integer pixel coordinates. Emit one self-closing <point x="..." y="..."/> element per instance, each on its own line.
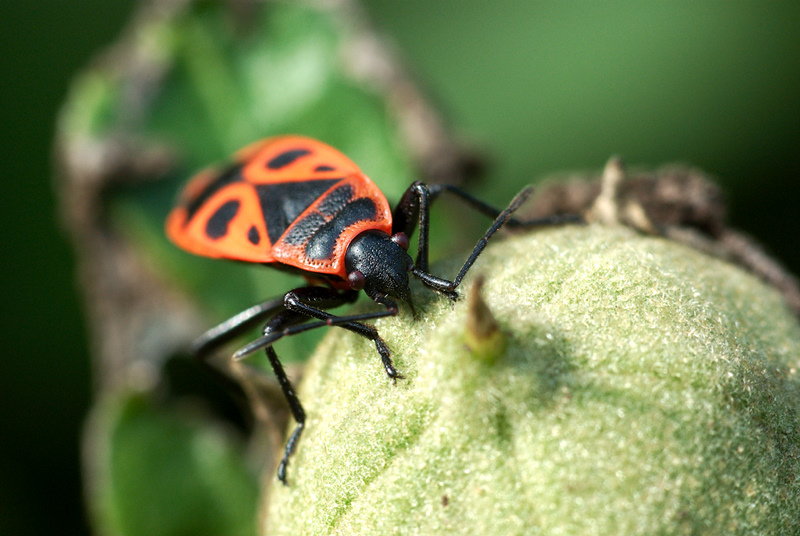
<point x="379" y="264"/>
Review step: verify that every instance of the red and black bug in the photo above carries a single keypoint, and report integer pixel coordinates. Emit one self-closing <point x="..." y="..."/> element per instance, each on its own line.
<point x="297" y="204"/>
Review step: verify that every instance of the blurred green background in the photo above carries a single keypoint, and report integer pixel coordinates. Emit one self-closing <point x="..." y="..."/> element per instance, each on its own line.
<point x="540" y="86"/>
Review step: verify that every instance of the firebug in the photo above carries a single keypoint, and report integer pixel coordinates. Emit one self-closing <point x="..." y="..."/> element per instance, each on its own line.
<point x="296" y="204"/>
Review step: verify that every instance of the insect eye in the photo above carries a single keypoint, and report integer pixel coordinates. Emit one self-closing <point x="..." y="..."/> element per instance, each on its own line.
<point x="356" y="280"/>
<point x="401" y="240"/>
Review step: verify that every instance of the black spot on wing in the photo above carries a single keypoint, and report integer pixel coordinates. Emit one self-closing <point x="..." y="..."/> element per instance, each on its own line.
<point x="253" y="235"/>
<point x="286" y="158"/>
<point x="283" y="202"/>
<point x="336" y="200"/>
<point x="229" y="176"/>
<point x="304" y="229"/>
<point x="320" y="245"/>
<point x="217" y="224"/>
<point x="324" y="168"/>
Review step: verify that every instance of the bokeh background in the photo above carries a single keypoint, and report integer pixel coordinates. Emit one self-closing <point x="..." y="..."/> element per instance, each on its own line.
<point x="540" y="87"/>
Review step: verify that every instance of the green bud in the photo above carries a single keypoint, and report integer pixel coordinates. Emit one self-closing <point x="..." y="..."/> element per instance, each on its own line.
<point x="645" y="388"/>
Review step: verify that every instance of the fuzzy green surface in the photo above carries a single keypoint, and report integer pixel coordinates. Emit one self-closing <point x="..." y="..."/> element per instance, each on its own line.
<point x="645" y="388"/>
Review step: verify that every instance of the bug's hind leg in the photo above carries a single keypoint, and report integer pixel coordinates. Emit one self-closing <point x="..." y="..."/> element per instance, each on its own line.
<point x="301" y="305"/>
<point x="261" y="396"/>
<point x="214" y="338"/>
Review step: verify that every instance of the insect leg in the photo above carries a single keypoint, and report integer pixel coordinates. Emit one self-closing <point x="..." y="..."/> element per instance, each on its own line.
<point x="235" y="326"/>
<point x="448" y="287"/>
<point x="298" y="301"/>
<point x="281" y="320"/>
<point x="309" y="301"/>
<point x="492" y="212"/>
<point x="278" y="323"/>
<point x="412" y="211"/>
<point x="416" y="203"/>
<point x="246" y="377"/>
<point x="290" y="322"/>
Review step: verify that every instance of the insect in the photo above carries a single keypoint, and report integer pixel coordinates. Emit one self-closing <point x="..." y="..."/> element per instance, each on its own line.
<point x="296" y="204"/>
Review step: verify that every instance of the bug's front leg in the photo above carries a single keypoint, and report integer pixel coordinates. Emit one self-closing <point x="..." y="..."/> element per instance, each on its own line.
<point x="412" y="211"/>
<point x="416" y="202"/>
<point x="309" y="302"/>
<point x="300" y="305"/>
<point x="304" y="300"/>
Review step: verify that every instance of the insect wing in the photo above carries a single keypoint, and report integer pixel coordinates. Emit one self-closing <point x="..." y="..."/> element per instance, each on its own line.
<point x="242" y="212"/>
<point x="293" y="159"/>
<point x="317" y="240"/>
<point x="219" y="215"/>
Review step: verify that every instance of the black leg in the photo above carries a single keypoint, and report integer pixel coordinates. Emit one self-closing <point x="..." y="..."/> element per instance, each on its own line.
<point x="499" y="221"/>
<point x="309" y="301"/>
<point x="298" y="306"/>
<point x="278" y="323"/>
<point x="414" y="208"/>
<point x="492" y="212"/>
<point x="413" y="211"/>
<point x="215" y="337"/>
<point x="290" y="316"/>
<point x="235" y="326"/>
<point x="298" y="412"/>
<point x="298" y="301"/>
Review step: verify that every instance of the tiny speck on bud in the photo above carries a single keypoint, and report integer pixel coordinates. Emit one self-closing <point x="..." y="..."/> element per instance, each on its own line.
<point x="482" y="336"/>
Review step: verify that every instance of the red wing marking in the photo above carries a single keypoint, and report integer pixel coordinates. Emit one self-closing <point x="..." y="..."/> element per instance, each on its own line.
<point x="293" y="158"/>
<point x="289" y="199"/>
<point x="229" y="225"/>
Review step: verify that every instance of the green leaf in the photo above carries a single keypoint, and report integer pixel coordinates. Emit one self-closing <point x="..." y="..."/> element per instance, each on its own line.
<point x="167" y="472"/>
